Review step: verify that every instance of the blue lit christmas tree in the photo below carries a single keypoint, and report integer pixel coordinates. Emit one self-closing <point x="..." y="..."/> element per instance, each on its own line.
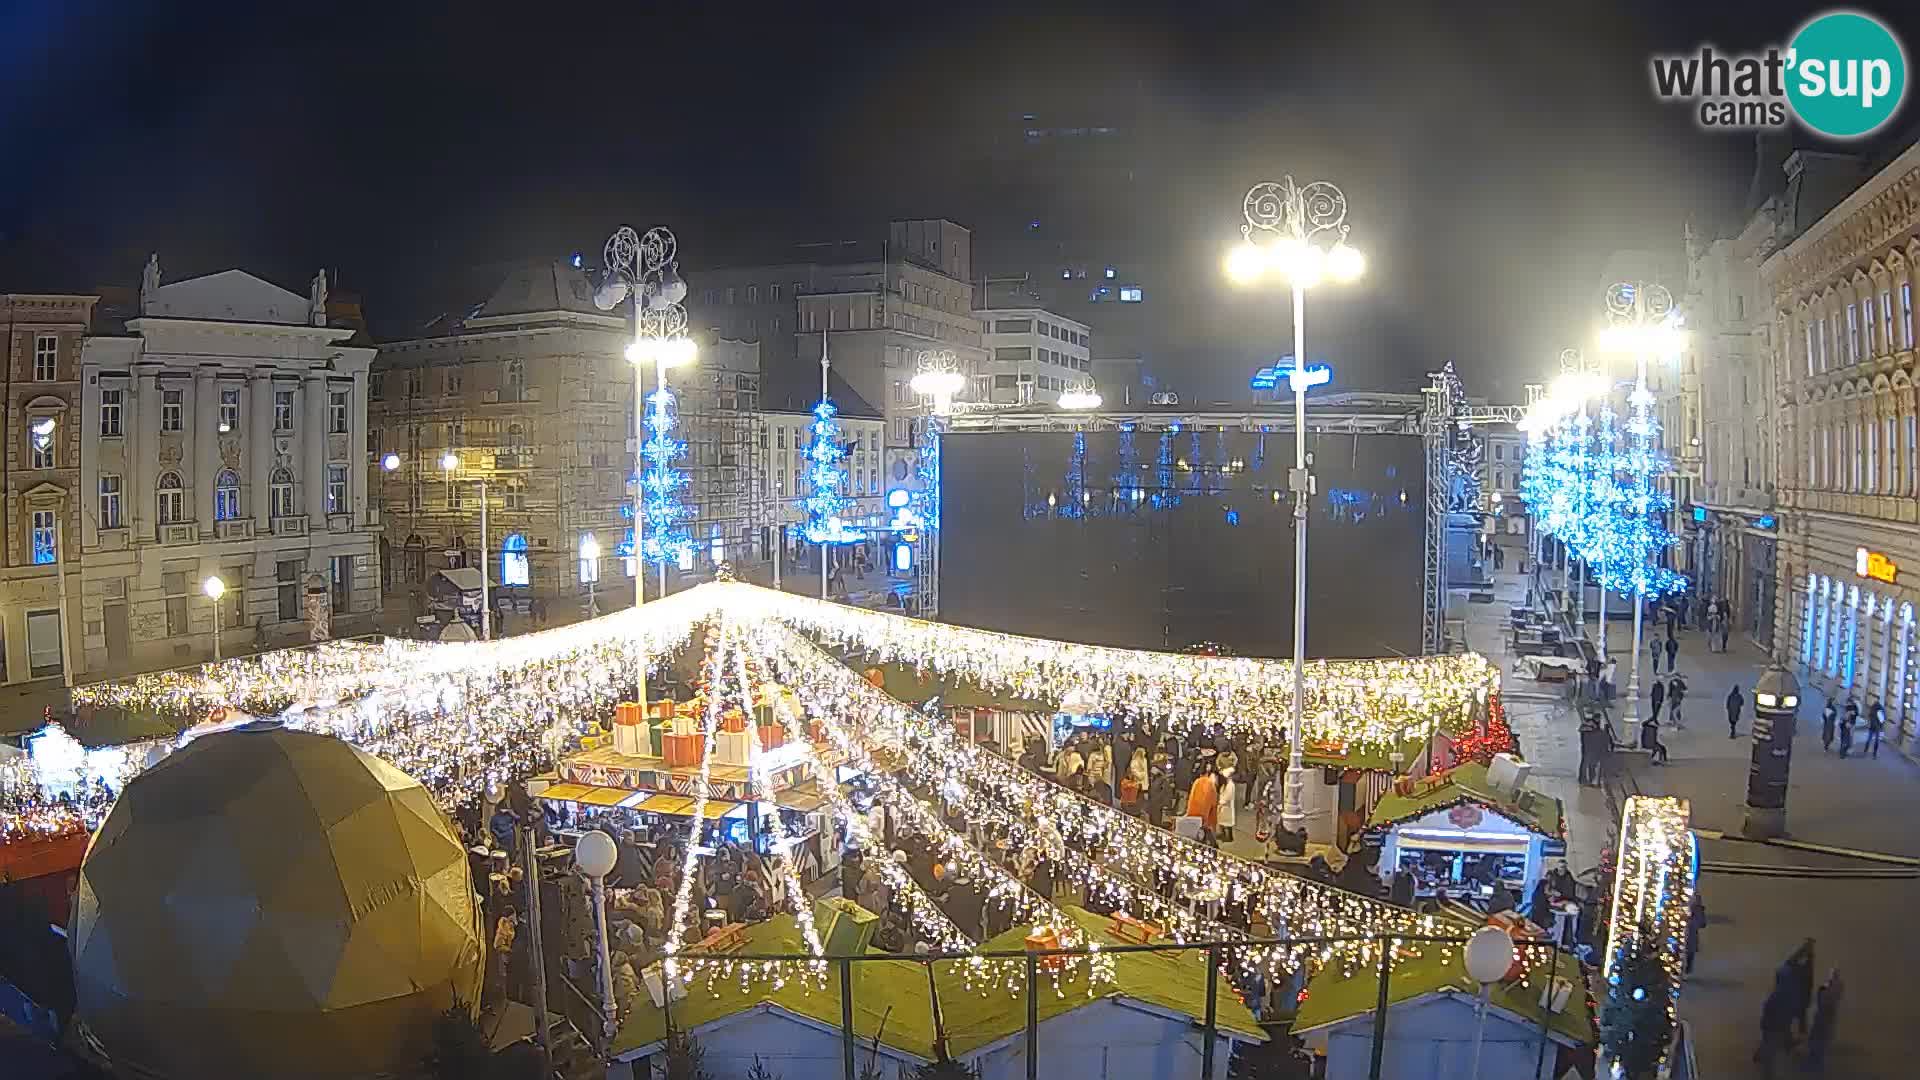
<point x="1643" y="535"/>
<point x="664" y="539"/>
<point x="827" y="471"/>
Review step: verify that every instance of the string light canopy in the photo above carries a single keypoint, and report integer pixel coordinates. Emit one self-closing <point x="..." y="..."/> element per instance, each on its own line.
<point x="1653" y="889"/>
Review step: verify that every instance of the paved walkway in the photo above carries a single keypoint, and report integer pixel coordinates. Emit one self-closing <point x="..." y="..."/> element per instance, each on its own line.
<point x="1863" y="926"/>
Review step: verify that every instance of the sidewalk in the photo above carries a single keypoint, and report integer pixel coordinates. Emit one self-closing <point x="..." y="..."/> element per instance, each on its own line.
<point x="1861" y="925"/>
<point x="1545" y="725"/>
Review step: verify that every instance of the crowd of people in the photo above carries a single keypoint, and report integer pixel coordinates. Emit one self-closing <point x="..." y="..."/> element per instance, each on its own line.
<point x="1785" y="1025"/>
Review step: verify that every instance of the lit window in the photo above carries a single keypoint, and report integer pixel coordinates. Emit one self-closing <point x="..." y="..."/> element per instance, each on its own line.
<point x="226" y="496"/>
<point x="336" y="489"/>
<point x="44" y="546"/>
<point x="229" y="410"/>
<point x="109" y="501"/>
<point x="283" y="410"/>
<point x="513" y="560"/>
<point x="41" y="444"/>
<point x="1131" y="294"/>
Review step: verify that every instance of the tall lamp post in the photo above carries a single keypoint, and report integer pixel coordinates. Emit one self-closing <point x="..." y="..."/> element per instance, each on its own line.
<point x="1643" y="324"/>
<point x="215" y="589"/>
<point x="594" y="855"/>
<point x="1292" y="223"/>
<point x="450" y="464"/>
<point x="643" y="271"/>
<point x="937" y="378"/>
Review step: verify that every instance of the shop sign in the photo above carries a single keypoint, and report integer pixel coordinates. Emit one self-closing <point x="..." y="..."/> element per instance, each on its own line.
<point x="1875" y="565"/>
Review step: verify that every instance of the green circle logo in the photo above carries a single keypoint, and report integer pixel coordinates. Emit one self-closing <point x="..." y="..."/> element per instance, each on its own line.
<point x="1846" y="74"/>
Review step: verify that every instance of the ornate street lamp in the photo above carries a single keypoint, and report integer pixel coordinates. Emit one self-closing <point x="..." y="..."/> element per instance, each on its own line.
<point x="1299" y="233"/>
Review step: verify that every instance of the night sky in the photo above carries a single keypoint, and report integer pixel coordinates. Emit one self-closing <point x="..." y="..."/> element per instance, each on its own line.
<point x="1494" y="155"/>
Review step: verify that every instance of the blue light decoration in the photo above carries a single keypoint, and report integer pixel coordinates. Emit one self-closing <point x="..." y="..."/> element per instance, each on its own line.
<point x="827" y="472"/>
<point x="928" y="471"/>
<point x="903" y="558"/>
<point x="1700" y="515"/>
<point x="1643" y="534"/>
<point x="1764" y="521"/>
<point x="1077" y="499"/>
<point x="665" y="539"/>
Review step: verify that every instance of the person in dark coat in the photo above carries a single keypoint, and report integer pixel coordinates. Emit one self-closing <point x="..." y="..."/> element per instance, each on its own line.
<point x="1827" y="717"/>
<point x="1776" y="1029"/>
<point x="1676" y="695"/>
<point x="1696" y="924"/>
<point x="1796" y="976"/>
<point x="1659" y="697"/>
<point x="1826" y="1013"/>
<point x="1587" y="768"/>
<point x="1735" y="703"/>
<point x="1876" y="723"/>
<point x="1650" y="740"/>
<point x="1653" y="651"/>
<point x="1849" y="716"/>
<point x="1673" y="650"/>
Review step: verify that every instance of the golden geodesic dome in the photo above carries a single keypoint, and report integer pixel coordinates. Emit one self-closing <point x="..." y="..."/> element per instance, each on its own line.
<point x="272" y="903"/>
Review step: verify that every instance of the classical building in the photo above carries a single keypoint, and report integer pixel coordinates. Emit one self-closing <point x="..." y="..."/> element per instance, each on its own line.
<point x="40" y="472"/>
<point x="1500" y="468"/>
<point x="1033" y="355"/>
<point x="532" y="394"/>
<point x="223" y="433"/>
<point x="1841" y="300"/>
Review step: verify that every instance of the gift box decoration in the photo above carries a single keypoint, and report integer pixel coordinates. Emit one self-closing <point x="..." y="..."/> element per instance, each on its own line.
<point x="1046" y="937"/>
<point x="772" y="736"/>
<point x="817" y="731"/>
<point x="733" y="720"/>
<point x="661" y="709"/>
<point x="659" y="986"/>
<point x="684" y="751"/>
<point x="846" y="928"/>
<point x="687" y="725"/>
<point x="656" y="738"/>
<point x="732" y="747"/>
<point x="627" y="713"/>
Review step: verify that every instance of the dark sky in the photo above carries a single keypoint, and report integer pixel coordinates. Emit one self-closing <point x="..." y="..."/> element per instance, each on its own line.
<point x="1493" y="154"/>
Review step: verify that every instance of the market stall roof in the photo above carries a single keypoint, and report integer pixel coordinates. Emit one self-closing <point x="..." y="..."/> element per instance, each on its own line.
<point x="902" y="683"/>
<point x="1360" y="757"/>
<point x="1467" y="782"/>
<point x="890" y="996"/>
<point x="464" y="578"/>
<point x="651" y="802"/>
<point x="1333" y="996"/>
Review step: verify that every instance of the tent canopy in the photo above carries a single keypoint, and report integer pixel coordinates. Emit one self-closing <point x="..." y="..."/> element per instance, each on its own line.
<point x="1467" y="783"/>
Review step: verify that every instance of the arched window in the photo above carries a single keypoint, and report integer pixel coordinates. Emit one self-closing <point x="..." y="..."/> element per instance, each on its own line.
<point x="226" y="496"/>
<point x="517" y="438"/>
<point x="413" y="563"/>
<point x="173" y="499"/>
<point x="513" y="560"/>
<point x="516" y="380"/>
<point x="280" y="498"/>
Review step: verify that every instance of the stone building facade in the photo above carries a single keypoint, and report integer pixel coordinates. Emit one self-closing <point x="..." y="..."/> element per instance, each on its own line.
<point x="40" y="470"/>
<point x="223" y="433"/>
<point x="1843" y="330"/>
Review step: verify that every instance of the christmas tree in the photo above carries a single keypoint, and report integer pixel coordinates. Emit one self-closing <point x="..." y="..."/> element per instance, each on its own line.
<point x="665" y="538"/>
<point x="1635" y="1025"/>
<point x="827" y="472"/>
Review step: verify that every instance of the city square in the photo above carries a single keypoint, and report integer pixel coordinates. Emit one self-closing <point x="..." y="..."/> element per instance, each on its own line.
<point x="1158" y="583"/>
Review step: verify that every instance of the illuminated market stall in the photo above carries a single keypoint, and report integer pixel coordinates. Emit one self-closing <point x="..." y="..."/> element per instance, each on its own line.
<point x="1462" y="831"/>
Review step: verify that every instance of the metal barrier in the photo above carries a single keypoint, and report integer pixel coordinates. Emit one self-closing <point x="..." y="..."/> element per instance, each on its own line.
<point x="997" y="1048"/>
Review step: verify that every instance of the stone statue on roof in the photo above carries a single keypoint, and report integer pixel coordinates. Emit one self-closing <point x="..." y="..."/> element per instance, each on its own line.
<point x="317" y="295"/>
<point x="149" y="281"/>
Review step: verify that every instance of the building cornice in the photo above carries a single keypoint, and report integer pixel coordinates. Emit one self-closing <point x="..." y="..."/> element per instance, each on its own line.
<point x="148" y="325"/>
<point x="1877" y="213"/>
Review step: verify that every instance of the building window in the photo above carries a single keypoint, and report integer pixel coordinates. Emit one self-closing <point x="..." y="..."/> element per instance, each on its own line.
<point x="41" y="443"/>
<point x="109" y="501"/>
<point x="513" y="560"/>
<point x="46" y="358"/>
<point x="1906" y="312"/>
<point x="342" y="566"/>
<point x="336" y="489"/>
<point x="173" y="411"/>
<point x="226" y="496"/>
<point x="753" y="294"/>
<point x="516" y="382"/>
<point x="1809" y="329"/>
<point x="1887" y="340"/>
<point x="229" y="410"/>
<point x="283" y="410"/>
<point x="337" y="411"/>
<point x="1866" y="327"/>
<point x="280" y="493"/>
<point x="452" y="381"/>
<point x="44" y="550"/>
<point x="513" y="496"/>
<point x="172" y="499"/>
<point x="590" y="568"/>
<point x="1820" y="341"/>
<point x="453" y="496"/>
<point x="110" y="401"/>
<point x="1131" y="294"/>
<point x="286" y="577"/>
<point x="773" y="292"/>
<point x="416" y="382"/>
<point x="376" y="386"/>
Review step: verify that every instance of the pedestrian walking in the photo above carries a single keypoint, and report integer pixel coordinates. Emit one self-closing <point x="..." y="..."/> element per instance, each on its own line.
<point x="1876" y="723"/>
<point x="1827" y="717"/>
<point x="1653" y="652"/>
<point x="1796" y="975"/>
<point x="1735" y="703"/>
<point x="1676" y="693"/>
<point x="1609" y="676"/>
<point x="1650" y="740"/>
<point x="1776" y="1029"/>
<point x="1659" y="697"/>
<point x="1594" y="745"/>
<point x="1673" y="650"/>
<point x="1696" y="922"/>
<point x="1672" y="616"/>
<point x="1849" y="716"/>
<point x="1826" y="1013"/>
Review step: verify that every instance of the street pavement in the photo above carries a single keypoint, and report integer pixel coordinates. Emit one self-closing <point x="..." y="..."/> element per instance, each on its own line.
<point x="1863" y="926"/>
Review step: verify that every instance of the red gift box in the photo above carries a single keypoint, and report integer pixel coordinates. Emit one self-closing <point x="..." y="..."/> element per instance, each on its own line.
<point x="627" y="713"/>
<point x="771" y="736"/>
<point x="661" y="709"/>
<point x="734" y="720"/>
<point x="684" y="751"/>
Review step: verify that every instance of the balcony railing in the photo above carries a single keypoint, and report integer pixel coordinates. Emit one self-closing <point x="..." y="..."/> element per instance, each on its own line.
<point x="291" y="525"/>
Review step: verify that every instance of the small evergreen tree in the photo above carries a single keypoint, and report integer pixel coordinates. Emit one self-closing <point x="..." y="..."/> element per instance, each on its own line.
<point x="1634" y="1026"/>
<point x="686" y="1058"/>
<point x="946" y="1069"/>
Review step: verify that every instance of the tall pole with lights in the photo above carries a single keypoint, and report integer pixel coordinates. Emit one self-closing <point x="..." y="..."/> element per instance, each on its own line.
<point x="1286" y="226"/>
<point x="215" y="589"/>
<point x="450" y="464"/>
<point x="643" y="271"/>
<point x="1644" y="324"/>
<point x="938" y="379"/>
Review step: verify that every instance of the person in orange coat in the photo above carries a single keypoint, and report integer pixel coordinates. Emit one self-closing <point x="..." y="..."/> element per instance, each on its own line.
<point x="1203" y="802"/>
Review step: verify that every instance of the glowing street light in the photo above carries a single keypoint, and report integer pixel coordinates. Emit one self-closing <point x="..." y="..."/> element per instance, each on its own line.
<point x="215" y="589"/>
<point x="1299" y="234"/>
<point x="1081" y="397"/>
<point x="390" y="462"/>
